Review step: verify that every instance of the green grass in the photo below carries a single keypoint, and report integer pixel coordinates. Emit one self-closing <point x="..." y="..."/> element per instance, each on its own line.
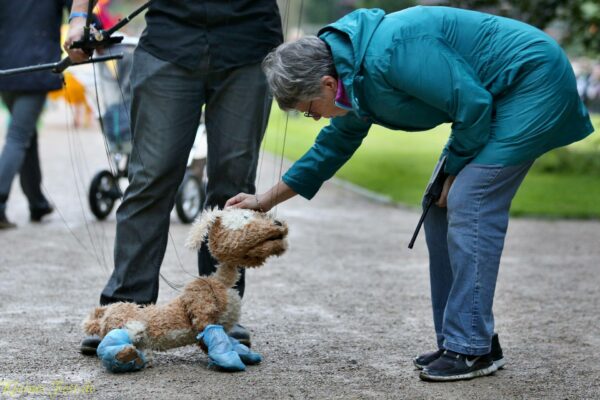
<point x="398" y="165"/>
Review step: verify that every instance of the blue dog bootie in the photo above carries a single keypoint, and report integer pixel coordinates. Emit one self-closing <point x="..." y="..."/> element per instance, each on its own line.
<point x="248" y="356"/>
<point x="118" y="354"/>
<point x="220" y="349"/>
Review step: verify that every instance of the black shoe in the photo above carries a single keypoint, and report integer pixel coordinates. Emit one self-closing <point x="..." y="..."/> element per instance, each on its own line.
<point x="425" y="359"/>
<point x="453" y="366"/>
<point x="5" y="223"/>
<point x="36" y="214"/>
<point x="89" y="344"/>
<point x="496" y="352"/>
<point x="241" y="334"/>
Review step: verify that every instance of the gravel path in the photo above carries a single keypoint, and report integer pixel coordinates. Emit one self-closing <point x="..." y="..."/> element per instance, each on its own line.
<point x="339" y="316"/>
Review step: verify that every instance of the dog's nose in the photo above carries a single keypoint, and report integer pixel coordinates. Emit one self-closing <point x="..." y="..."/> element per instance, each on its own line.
<point x="278" y="223"/>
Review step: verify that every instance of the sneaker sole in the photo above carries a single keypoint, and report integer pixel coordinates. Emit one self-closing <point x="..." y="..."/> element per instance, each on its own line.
<point x="500" y="363"/>
<point x="418" y="366"/>
<point x="474" y="374"/>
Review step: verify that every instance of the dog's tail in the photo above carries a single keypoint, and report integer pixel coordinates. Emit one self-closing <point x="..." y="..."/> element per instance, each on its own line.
<point x="91" y="325"/>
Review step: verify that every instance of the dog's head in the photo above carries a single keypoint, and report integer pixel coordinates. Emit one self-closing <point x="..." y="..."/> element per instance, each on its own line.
<point x="240" y="237"/>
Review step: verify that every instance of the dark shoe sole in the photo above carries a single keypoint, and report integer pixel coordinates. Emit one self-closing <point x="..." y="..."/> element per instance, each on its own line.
<point x="245" y="342"/>
<point x="87" y="351"/>
<point x="241" y="334"/>
<point x="89" y="345"/>
<point x="451" y="378"/>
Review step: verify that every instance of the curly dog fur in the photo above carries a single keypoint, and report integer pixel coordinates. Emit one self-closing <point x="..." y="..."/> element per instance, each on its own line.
<point x="236" y="239"/>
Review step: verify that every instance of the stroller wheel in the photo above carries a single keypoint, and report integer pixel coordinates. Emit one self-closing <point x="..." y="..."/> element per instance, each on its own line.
<point x="104" y="190"/>
<point x="188" y="202"/>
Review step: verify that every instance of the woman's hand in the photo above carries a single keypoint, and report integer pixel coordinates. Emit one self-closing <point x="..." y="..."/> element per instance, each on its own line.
<point x="247" y="201"/>
<point x="443" y="200"/>
<point x="262" y="202"/>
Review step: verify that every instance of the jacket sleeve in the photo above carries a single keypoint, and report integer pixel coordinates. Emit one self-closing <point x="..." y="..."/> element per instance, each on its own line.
<point x="334" y="145"/>
<point x="426" y="68"/>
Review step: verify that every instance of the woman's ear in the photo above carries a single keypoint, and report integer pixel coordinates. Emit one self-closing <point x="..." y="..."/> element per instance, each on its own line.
<point x="329" y="82"/>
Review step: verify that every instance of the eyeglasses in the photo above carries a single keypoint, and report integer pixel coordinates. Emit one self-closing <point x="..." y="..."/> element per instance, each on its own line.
<point x="308" y="113"/>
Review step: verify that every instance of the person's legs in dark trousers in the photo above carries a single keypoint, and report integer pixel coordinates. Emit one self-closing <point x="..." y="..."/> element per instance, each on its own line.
<point x="165" y="114"/>
<point x="20" y="152"/>
<point x="236" y="116"/>
<point x="31" y="181"/>
<point x="237" y="111"/>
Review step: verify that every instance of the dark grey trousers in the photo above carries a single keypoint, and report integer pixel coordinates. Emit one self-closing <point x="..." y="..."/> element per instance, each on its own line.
<point x="165" y="114"/>
<point x="20" y="152"/>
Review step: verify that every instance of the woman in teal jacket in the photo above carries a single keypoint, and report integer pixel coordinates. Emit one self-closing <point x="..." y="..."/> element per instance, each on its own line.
<point x="509" y="92"/>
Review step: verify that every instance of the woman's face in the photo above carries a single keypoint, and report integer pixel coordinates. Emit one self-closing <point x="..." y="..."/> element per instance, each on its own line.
<point x="324" y="105"/>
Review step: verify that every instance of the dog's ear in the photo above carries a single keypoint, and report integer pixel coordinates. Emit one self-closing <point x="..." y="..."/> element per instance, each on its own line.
<point x="200" y="228"/>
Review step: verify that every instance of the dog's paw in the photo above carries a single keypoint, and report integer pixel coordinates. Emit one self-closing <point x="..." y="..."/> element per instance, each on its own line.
<point x="118" y="354"/>
<point x="220" y="350"/>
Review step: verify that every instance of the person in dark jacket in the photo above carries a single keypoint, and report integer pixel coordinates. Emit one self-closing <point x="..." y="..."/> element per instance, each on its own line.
<point x="30" y="32"/>
<point x="192" y="54"/>
<point x="508" y="90"/>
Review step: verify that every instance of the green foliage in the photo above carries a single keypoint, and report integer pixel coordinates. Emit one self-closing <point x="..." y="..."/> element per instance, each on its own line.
<point x="578" y="159"/>
<point x="387" y="5"/>
<point x="318" y="12"/>
<point x="535" y="12"/>
<point x="563" y="183"/>
<point x="581" y="17"/>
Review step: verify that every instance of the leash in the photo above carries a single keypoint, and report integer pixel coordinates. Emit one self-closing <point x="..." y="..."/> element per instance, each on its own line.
<point x="280" y="155"/>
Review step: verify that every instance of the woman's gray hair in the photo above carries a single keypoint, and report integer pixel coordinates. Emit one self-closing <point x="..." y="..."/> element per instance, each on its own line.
<point x="294" y="70"/>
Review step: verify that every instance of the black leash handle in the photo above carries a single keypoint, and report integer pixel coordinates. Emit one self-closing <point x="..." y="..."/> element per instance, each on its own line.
<point x="421" y="220"/>
<point x="432" y="194"/>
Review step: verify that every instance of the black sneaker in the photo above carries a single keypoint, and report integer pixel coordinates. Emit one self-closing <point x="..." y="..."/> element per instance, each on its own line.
<point x="36" y="214"/>
<point x="5" y="223"/>
<point x="241" y="334"/>
<point x="89" y="344"/>
<point x="496" y="352"/>
<point x="425" y="359"/>
<point x="453" y="366"/>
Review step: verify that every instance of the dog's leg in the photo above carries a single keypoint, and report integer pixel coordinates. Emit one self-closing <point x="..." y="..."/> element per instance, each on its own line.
<point x="118" y="354"/>
<point x="92" y="325"/>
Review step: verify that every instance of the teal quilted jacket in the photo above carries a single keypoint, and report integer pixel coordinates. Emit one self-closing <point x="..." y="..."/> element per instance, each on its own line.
<point x="507" y="88"/>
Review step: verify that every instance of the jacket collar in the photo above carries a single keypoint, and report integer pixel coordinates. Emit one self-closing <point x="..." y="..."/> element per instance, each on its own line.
<point x="348" y="38"/>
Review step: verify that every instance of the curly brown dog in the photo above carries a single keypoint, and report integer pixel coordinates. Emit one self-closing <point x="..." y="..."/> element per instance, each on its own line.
<point x="236" y="239"/>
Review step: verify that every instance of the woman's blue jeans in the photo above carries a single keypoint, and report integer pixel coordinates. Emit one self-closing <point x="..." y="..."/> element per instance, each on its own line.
<point x="465" y="242"/>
